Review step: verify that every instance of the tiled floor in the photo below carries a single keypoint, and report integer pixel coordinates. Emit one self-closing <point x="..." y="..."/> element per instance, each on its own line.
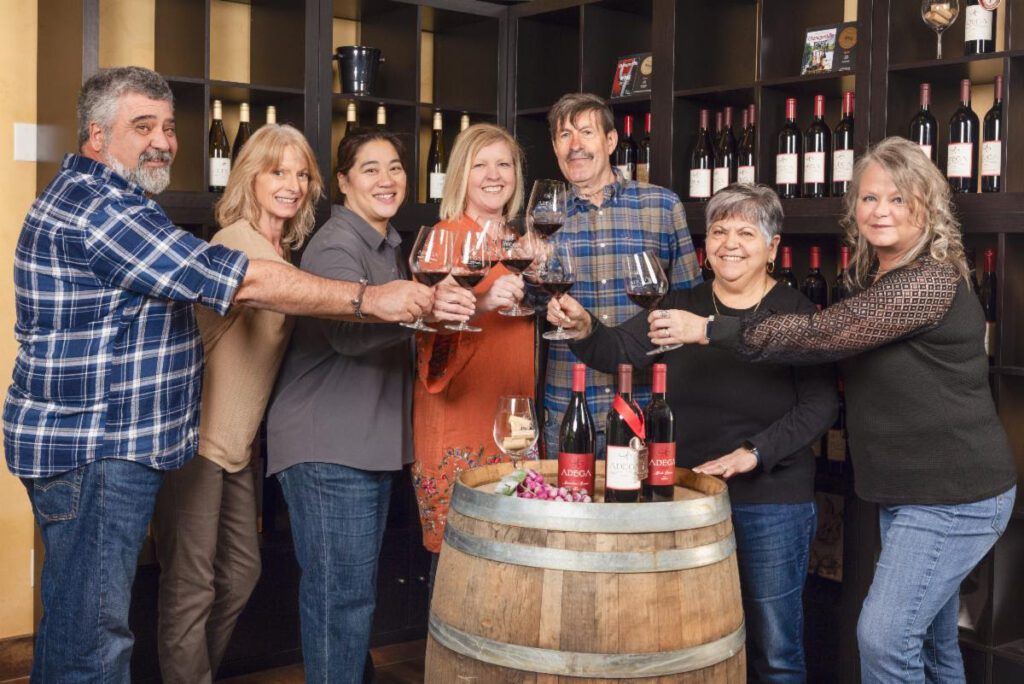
<point x="397" y="664"/>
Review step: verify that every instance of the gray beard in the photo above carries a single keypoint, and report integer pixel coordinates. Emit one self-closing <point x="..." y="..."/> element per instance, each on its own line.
<point x="153" y="181"/>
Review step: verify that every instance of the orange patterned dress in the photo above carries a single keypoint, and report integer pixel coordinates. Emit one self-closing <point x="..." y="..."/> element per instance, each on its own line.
<point x="460" y="377"/>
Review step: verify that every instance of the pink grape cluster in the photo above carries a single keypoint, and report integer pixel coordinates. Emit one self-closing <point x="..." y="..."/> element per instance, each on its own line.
<point x="534" y="487"/>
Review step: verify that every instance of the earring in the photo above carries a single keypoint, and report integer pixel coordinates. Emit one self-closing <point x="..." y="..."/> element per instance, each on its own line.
<point x="771" y="266"/>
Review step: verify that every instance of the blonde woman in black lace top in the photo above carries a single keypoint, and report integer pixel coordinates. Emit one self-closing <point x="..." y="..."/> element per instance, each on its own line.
<point x="925" y="440"/>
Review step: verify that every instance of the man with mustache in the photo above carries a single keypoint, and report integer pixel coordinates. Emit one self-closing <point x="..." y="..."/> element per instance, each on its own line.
<point x="608" y="216"/>
<point x="106" y="383"/>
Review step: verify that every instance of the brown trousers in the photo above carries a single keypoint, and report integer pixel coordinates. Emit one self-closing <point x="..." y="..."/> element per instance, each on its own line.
<point x="204" y="527"/>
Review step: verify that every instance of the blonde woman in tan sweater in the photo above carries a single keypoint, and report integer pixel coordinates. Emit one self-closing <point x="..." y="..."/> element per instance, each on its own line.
<point x="205" y="519"/>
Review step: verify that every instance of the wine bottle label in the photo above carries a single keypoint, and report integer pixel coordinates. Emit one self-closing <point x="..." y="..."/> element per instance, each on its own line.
<point x="626" y="170"/>
<point x="643" y="173"/>
<point x="991" y="158"/>
<point x="661" y="463"/>
<point x="746" y="174"/>
<point x="927" y="149"/>
<point x="814" y="167"/>
<point x="220" y="169"/>
<point x="576" y="471"/>
<point x="700" y="183"/>
<point x="623" y="468"/>
<point x="990" y="339"/>
<point x="436" y="185"/>
<point x="786" y="166"/>
<point x="960" y="160"/>
<point x="719" y="179"/>
<point x="842" y="165"/>
<point x="977" y="24"/>
<point x="836" y="445"/>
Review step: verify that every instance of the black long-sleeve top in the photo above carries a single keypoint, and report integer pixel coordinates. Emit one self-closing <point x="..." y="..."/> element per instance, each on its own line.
<point x="719" y="400"/>
<point x="922" y="425"/>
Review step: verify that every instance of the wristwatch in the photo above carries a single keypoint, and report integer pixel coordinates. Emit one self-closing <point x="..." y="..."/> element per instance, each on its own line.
<point x="357" y="301"/>
<point x="707" y="328"/>
<point x="749" y="446"/>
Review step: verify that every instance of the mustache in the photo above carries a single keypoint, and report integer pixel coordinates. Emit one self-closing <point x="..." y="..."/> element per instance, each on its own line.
<point x="580" y="154"/>
<point x="155" y="155"/>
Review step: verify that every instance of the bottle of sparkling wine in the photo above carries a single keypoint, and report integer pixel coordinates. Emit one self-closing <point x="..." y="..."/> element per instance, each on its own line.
<point x="220" y="151"/>
<point x="661" y="440"/>
<point x="785" y="274"/>
<point x="842" y="149"/>
<point x="624" y="432"/>
<point x="817" y="152"/>
<point x="576" y="438"/>
<point x="702" y="160"/>
<point x="992" y="143"/>
<point x="787" y="158"/>
<point x="244" y="131"/>
<point x="961" y="169"/>
<point x="979" y="28"/>
<point x="815" y="288"/>
<point x="437" y="162"/>
<point x="924" y="130"/>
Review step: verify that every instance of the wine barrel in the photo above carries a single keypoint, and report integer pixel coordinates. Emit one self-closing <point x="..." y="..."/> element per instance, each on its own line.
<point x="539" y="592"/>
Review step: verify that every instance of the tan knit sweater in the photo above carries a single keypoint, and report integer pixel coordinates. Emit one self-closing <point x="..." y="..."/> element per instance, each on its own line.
<point x="243" y="353"/>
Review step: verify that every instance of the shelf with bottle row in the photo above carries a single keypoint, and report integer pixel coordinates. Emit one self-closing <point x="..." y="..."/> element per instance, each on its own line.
<point x="913" y="40"/>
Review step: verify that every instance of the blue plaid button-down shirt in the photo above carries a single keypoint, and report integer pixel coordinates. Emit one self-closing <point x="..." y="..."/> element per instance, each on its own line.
<point x="633" y="217"/>
<point x="110" y="359"/>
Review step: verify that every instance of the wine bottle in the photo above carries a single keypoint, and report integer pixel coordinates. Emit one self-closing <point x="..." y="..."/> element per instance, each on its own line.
<point x="351" y="119"/>
<point x="924" y="130"/>
<point x="625" y="151"/>
<point x="979" y="29"/>
<point x="961" y="170"/>
<point x="624" y="432"/>
<point x="746" y="159"/>
<point x="817" y="152"/>
<point x="706" y="271"/>
<point x="842" y="149"/>
<point x="839" y="289"/>
<point x="643" y="158"/>
<point x="701" y="161"/>
<point x="244" y="131"/>
<point x="463" y="122"/>
<point x="382" y="116"/>
<point x="987" y="293"/>
<point x="787" y="158"/>
<point x="220" y="151"/>
<point x="271" y="114"/>
<point x="437" y="162"/>
<point x="992" y="143"/>
<point x="815" y="287"/>
<point x="576" y="438"/>
<point x="725" y="154"/>
<point x="785" y="274"/>
<point x="661" y="440"/>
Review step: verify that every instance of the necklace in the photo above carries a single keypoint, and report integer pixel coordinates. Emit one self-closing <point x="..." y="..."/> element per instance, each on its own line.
<point x="714" y="299"/>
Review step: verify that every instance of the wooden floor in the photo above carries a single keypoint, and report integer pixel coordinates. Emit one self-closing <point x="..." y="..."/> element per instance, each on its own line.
<point x="397" y="664"/>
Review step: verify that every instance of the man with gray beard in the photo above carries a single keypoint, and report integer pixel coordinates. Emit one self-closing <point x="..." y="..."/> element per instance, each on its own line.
<point x="105" y="390"/>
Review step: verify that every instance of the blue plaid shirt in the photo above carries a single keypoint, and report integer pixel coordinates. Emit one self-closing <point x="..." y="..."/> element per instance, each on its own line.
<point x="633" y="217"/>
<point x="110" y="359"/>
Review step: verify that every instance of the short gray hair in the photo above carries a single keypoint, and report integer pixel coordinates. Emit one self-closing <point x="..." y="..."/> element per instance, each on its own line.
<point x="756" y="203"/>
<point x="98" y="100"/>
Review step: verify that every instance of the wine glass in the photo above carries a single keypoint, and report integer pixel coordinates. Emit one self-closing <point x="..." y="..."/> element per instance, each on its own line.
<point x="515" y="427"/>
<point x="646" y="285"/>
<point x="556" y="275"/>
<point x="469" y="266"/>
<point x="518" y="250"/>
<point x="939" y="15"/>
<point x="430" y="261"/>
<point x="548" y="206"/>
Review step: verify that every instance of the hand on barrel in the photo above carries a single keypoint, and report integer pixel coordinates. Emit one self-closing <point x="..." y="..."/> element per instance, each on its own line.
<point x="734" y="463"/>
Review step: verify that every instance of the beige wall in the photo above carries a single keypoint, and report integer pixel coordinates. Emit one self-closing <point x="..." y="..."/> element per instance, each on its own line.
<point x="18" y="33"/>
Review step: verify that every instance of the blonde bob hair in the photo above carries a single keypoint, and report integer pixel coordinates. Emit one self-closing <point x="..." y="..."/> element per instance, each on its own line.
<point x="929" y="202"/>
<point x="467" y="145"/>
<point x="263" y="152"/>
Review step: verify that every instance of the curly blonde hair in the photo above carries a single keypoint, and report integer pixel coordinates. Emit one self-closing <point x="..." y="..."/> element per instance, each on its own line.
<point x="467" y="145"/>
<point x="928" y="199"/>
<point x="263" y="152"/>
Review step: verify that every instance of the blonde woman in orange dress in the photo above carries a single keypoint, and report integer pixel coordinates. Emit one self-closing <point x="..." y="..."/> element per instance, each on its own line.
<point x="461" y="375"/>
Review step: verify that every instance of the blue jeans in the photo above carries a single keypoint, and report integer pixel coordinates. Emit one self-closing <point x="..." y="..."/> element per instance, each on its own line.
<point x="551" y="430"/>
<point x="773" y="542"/>
<point x="907" y="630"/>
<point x="338" y="515"/>
<point x="93" y="522"/>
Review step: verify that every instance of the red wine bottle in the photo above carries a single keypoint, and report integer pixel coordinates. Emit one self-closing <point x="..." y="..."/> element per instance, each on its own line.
<point x="842" y="149"/>
<point x="987" y="294"/>
<point x="746" y="159"/>
<point x="643" y="161"/>
<point x="839" y="289"/>
<point x="705" y="268"/>
<point x="979" y="28"/>
<point x="817" y="152"/>
<point x="924" y="130"/>
<point x="787" y="158"/>
<point x="624" y="432"/>
<point x="625" y="151"/>
<point x="961" y="170"/>
<point x="725" y="154"/>
<point x="661" y="440"/>
<point x="992" y="144"/>
<point x="702" y="161"/>
<point x="815" y="287"/>
<point x="576" y="438"/>
<point x="785" y="274"/>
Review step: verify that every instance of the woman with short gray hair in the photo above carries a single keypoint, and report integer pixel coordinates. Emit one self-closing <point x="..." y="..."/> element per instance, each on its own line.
<point x="751" y="424"/>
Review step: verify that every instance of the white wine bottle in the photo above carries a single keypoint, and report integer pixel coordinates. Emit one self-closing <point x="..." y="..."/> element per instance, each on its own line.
<point x="220" y="151"/>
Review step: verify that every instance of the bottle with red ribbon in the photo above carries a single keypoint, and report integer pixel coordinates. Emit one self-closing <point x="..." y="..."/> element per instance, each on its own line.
<point x="626" y="458"/>
<point x="659" y="424"/>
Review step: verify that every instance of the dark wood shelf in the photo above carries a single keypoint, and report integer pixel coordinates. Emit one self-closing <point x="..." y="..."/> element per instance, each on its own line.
<point x="534" y="111"/>
<point x="997" y="212"/>
<point x="1014" y="371"/>
<point x="978" y="68"/>
<point x="713" y="91"/>
<point x="630" y="99"/>
<point x="244" y="87"/>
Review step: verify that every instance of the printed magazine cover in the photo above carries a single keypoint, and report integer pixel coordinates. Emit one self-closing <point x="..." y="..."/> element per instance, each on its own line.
<point x="819" y="50"/>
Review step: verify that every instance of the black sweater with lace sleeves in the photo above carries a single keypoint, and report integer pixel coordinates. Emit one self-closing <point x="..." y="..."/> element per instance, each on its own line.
<point x="922" y="425"/>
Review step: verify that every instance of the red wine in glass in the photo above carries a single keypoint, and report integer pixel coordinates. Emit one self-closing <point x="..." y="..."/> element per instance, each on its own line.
<point x="430" y="278"/>
<point x="646" y="299"/>
<point x="548" y="206"/>
<point x="557" y="275"/>
<point x="430" y="262"/>
<point x="470" y="267"/>
<point x="545" y="228"/>
<point x="557" y="288"/>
